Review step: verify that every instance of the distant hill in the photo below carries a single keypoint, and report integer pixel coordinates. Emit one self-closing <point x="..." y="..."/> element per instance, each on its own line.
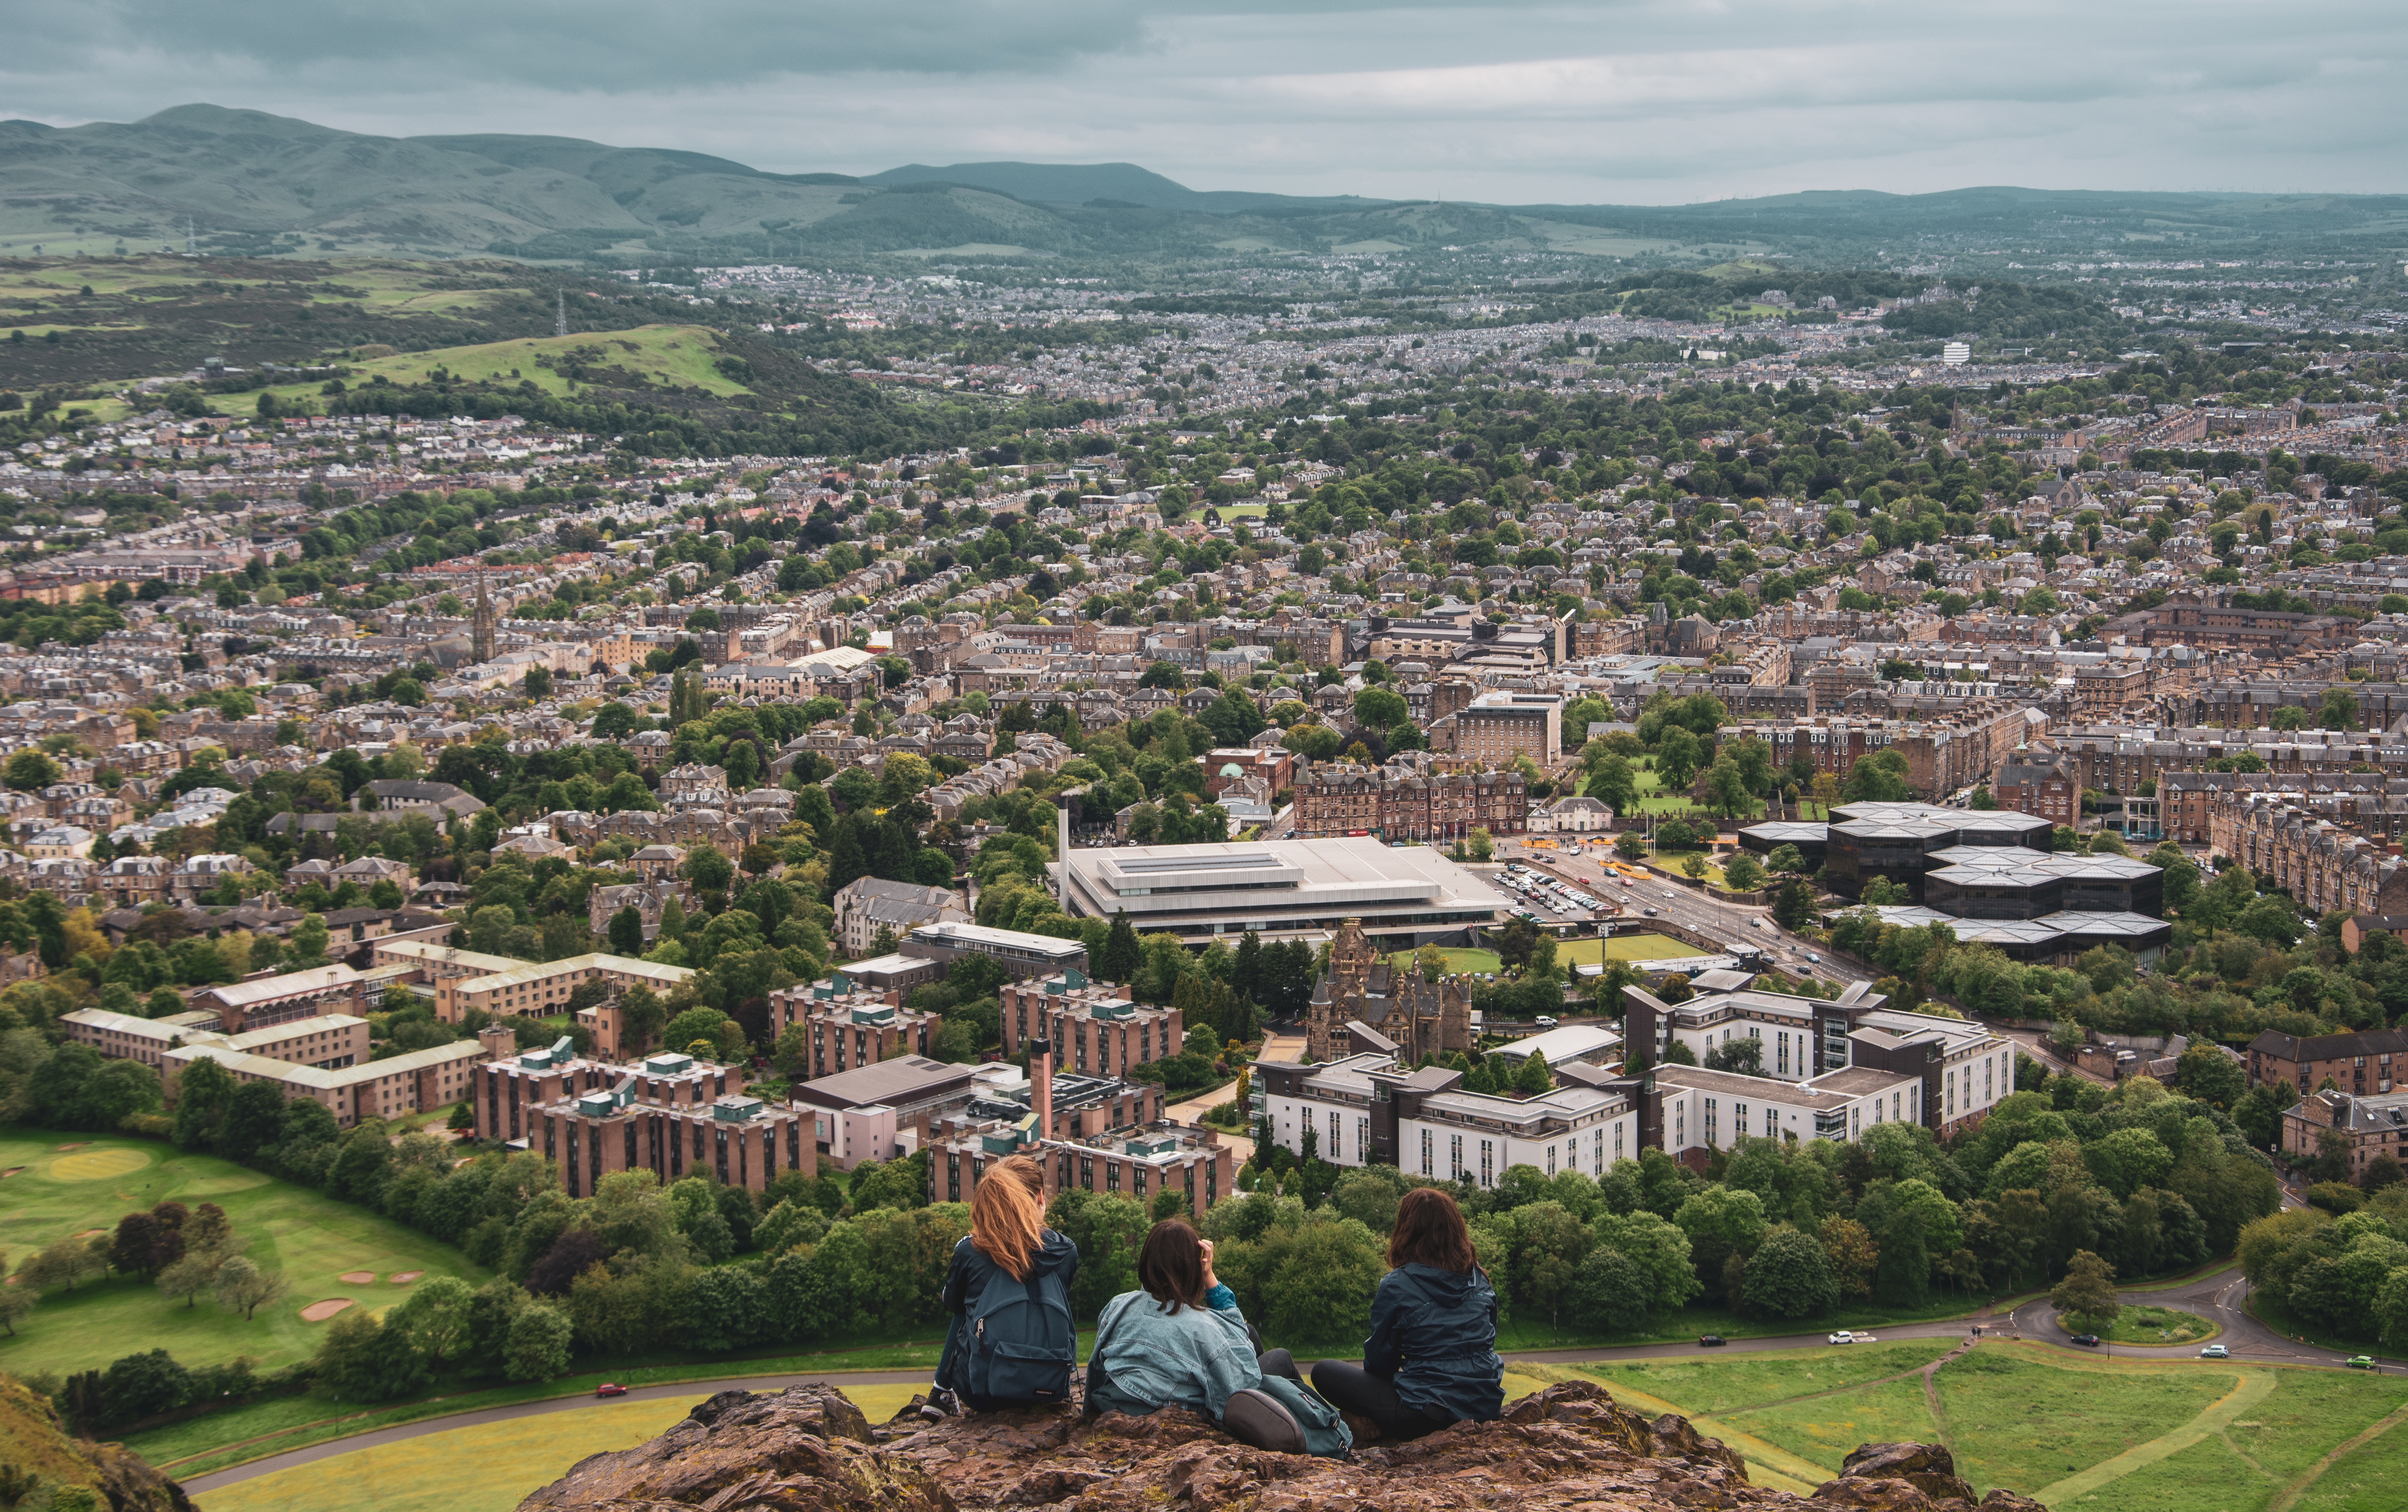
<point x="1117" y="184"/>
<point x="249" y="183"/>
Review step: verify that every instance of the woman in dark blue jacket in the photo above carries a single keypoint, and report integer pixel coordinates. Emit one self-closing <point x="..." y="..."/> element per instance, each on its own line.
<point x="1431" y="1358"/>
<point x="1008" y="1239"/>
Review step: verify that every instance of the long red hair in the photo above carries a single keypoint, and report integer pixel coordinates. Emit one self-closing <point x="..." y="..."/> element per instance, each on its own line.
<point x="1007" y="1216"/>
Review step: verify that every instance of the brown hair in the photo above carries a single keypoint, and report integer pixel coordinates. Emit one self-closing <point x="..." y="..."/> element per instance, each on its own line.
<point x="1171" y="1267"/>
<point x="1006" y="1220"/>
<point x="1430" y="1231"/>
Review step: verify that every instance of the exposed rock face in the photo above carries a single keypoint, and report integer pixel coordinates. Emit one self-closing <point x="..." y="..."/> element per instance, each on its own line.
<point x="38" y="1447"/>
<point x="806" y="1450"/>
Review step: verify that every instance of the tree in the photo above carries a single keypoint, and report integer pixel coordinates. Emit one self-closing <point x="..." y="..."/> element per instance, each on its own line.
<point x="1677" y="757"/>
<point x="1484" y="845"/>
<point x="1630" y="845"/>
<point x="626" y="932"/>
<point x="243" y="1286"/>
<point x="189" y="1276"/>
<point x="1792" y="906"/>
<point x="537" y="682"/>
<point x="539" y="1339"/>
<point x="1789" y="1277"/>
<point x="1533" y="1077"/>
<point x="1743" y="872"/>
<point x="1120" y="956"/>
<point x="1877" y="776"/>
<point x="361" y="1360"/>
<point x="2087" y="1295"/>
<point x="1787" y="860"/>
<point x="1614" y="783"/>
<point x="30" y="770"/>
<point x="1694" y="866"/>
<point x="1849" y="1247"/>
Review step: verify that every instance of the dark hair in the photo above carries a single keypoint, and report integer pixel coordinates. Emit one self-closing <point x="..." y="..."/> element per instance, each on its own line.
<point x="1430" y="1231"/>
<point x="1171" y="1267"/>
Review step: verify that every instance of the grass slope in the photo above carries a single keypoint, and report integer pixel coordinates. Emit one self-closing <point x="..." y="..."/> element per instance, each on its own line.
<point x="2078" y="1431"/>
<point x="312" y="1239"/>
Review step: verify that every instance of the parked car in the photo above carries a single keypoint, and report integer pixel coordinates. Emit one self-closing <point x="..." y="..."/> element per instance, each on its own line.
<point x="610" y="1389"/>
<point x="1711" y="1341"/>
<point x="2089" y="1341"/>
<point x="2360" y="1362"/>
<point x="1843" y="1336"/>
<point x="2215" y="1351"/>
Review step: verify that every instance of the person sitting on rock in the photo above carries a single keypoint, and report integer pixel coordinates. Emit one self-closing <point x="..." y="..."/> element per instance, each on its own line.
<point x="1431" y="1360"/>
<point x="1010" y="1244"/>
<point x="1181" y="1341"/>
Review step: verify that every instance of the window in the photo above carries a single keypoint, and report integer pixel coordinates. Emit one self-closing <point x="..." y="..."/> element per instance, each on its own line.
<point x="1488" y="1163"/>
<point x="1425" y="1152"/>
<point x="1337" y="1144"/>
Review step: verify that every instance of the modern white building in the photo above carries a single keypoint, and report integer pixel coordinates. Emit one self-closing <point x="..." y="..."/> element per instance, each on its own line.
<point x="1279" y="888"/>
<point x="1966" y="1068"/>
<point x="1706" y="1110"/>
<point x="1364" y="1111"/>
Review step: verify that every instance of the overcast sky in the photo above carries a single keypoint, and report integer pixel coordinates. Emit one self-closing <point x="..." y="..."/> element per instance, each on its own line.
<point x="1612" y="101"/>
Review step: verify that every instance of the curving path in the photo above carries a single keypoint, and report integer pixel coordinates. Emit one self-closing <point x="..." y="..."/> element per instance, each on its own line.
<point x="2216" y="1296"/>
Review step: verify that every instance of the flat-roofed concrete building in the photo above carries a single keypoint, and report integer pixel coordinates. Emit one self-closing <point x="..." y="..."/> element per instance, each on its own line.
<point x="1699" y="1111"/>
<point x="669" y="1114"/>
<point x="847" y="1025"/>
<point x="329" y="1043"/>
<point x="1023" y="955"/>
<point x="312" y="993"/>
<point x="415" y="1081"/>
<point x="1094" y="1027"/>
<point x="1365" y="1109"/>
<point x="1495" y="727"/>
<point x="1412" y="894"/>
<point x="878" y="1111"/>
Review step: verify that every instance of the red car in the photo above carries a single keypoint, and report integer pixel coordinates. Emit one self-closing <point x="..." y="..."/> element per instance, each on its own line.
<point x="610" y="1389"/>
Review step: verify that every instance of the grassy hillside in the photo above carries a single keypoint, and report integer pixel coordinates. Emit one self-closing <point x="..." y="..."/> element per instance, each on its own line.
<point x="252" y="184"/>
<point x="69" y="1184"/>
<point x="2106" y="1435"/>
<point x="153" y="315"/>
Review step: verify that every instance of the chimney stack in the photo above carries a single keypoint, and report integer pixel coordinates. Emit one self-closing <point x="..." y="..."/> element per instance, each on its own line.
<point x="1041" y="1085"/>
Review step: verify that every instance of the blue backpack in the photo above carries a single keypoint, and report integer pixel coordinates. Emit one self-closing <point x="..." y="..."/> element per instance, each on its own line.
<point x="1021" y="1344"/>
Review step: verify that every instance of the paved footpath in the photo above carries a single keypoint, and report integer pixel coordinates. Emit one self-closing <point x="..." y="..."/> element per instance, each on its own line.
<point x="2216" y="1296"/>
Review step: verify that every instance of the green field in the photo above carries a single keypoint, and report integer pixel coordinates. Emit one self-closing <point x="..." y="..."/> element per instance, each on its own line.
<point x="2099" y="1434"/>
<point x="1457" y="962"/>
<point x="1623" y="947"/>
<point x="312" y="1239"/>
<point x="2160" y="1327"/>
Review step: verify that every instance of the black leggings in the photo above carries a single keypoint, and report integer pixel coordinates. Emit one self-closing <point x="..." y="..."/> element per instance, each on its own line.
<point x="1353" y="1388"/>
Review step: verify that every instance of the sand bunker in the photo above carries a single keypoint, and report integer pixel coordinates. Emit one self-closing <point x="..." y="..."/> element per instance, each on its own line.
<point x="92" y="1234"/>
<point x="77" y="1144"/>
<point x="14" y="1170"/>
<point x="356" y="1278"/>
<point x="318" y="1312"/>
<point x="405" y="1278"/>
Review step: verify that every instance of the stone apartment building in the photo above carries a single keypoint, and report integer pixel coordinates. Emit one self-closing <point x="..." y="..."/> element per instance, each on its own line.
<point x="2370" y="1125"/>
<point x="2037" y="781"/>
<point x="2323" y="866"/>
<point x="1495" y="727"/>
<point x="2360" y="1062"/>
<point x="870" y="904"/>
<point x="1400" y="803"/>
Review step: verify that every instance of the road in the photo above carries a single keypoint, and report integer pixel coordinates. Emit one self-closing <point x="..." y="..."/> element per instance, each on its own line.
<point x="1687" y="906"/>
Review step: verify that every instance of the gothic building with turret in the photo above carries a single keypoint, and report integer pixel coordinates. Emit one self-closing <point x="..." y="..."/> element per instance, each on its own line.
<point x="1416" y="1016"/>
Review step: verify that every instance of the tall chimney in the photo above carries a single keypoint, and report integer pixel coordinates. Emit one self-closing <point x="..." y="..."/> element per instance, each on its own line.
<point x="1041" y="1085"/>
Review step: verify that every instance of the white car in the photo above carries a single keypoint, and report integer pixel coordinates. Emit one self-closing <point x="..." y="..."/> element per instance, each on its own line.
<point x="1843" y="1336"/>
<point x="1668" y="892"/>
<point x="1543" y="1021"/>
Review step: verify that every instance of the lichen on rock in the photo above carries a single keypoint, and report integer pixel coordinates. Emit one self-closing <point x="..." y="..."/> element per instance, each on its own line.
<point x="806" y="1450"/>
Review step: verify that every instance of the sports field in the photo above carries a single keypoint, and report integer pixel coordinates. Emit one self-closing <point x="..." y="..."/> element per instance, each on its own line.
<point x="68" y="1184"/>
<point x="1623" y="947"/>
<point x="2173" y="1435"/>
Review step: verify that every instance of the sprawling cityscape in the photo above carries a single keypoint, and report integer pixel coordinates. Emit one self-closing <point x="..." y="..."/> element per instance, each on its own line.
<point x="582" y="813"/>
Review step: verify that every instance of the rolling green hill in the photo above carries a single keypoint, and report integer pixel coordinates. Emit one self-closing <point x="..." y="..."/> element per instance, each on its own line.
<point x="249" y="184"/>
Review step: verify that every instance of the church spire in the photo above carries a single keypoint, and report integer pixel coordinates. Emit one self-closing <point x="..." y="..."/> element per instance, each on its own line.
<point x="481" y="627"/>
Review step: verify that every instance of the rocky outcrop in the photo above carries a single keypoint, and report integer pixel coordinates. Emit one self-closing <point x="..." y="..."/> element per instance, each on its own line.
<point x="36" y="1450"/>
<point x="806" y="1450"/>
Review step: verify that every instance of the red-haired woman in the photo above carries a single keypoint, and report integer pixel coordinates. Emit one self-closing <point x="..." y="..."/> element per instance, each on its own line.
<point x="1008" y="1242"/>
<point x="1431" y="1358"/>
